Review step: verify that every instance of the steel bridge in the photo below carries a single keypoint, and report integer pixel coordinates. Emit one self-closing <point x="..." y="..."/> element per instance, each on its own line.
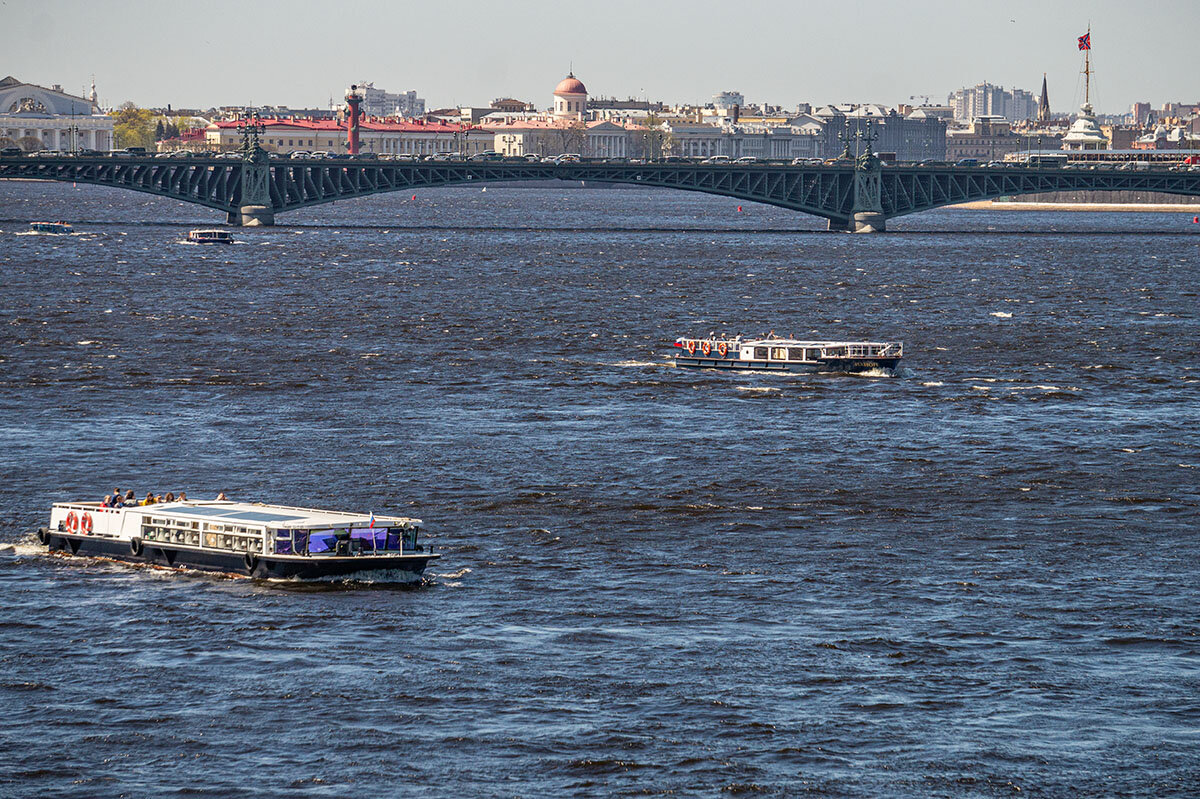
<point x="854" y="195"/>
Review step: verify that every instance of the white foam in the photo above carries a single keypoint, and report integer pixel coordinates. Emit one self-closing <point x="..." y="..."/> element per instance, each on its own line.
<point x="758" y="389"/>
<point x="933" y="384"/>
<point x="1001" y="315"/>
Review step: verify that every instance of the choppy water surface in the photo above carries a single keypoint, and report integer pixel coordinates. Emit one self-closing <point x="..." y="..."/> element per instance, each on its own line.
<point x="975" y="578"/>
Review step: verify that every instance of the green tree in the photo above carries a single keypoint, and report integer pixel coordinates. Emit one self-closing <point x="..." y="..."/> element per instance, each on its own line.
<point x="133" y="126"/>
<point x="656" y="140"/>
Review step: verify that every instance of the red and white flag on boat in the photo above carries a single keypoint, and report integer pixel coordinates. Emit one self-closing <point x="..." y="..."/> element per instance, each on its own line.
<point x="371" y="526"/>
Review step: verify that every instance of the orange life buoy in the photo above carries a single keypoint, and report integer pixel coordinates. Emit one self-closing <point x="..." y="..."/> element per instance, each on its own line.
<point x="72" y="523"/>
<point x="85" y="524"/>
<point x="691" y="347"/>
<point x="722" y="349"/>
<point x="706" y="347"/>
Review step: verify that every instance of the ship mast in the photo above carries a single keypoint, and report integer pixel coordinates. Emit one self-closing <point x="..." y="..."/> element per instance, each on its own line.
<point x="1087" y="69"/>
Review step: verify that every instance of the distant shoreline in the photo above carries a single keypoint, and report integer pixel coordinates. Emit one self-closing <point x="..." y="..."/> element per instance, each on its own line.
<point x="993" y="205"/>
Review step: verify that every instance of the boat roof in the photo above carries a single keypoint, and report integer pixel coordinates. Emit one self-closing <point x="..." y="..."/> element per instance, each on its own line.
<point x="268" y="515"/>
<point x="795" y="342"/>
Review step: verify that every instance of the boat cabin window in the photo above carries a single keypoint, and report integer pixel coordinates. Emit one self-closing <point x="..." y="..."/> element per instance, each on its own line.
<point x="760" y="353"/>
<point x="322" y="542"/>
<point x="367" y="539"/>
<point x="779" y="353"/>
<point x="346" y="541"/>
<point x="814" y="354"/>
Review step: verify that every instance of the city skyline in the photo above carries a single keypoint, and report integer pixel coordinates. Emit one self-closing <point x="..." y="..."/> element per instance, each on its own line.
<point x="675" y="52"/>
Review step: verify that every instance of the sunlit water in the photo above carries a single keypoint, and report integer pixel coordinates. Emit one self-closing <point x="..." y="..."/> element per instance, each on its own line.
<point x="975" y="577"/>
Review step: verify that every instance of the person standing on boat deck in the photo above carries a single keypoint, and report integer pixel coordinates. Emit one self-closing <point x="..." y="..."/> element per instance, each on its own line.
<point x="149" y="500"/>
<point x="183" y="496"/>
<point x="170" y="497"/>
<point x="116" y="495"/>
<point x="107" y="503"/>
<point x="221" y="497"/>
<point x="130" y="497"/>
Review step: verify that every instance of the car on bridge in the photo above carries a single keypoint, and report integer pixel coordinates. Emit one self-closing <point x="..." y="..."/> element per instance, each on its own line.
<point x="8" y="152"/>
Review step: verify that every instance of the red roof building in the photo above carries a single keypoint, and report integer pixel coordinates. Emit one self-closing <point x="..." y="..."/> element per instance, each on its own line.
<point x="376" y="135"/>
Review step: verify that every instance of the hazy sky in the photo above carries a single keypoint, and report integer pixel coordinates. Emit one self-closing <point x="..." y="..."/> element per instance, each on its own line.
<point x="205" y="53"/>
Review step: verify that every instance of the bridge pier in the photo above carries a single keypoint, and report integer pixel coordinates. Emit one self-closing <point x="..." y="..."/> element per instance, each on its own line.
<point x="861" y="222"/>
<point x="869" y="222"/>
<point x="255" y="216"/>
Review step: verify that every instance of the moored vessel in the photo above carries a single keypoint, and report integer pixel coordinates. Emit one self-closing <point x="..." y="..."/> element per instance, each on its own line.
<point x="50" y="227"/>
<point x="210" y="236"/>
<point x="250" y="539"/>
<point x="774" y="354"/>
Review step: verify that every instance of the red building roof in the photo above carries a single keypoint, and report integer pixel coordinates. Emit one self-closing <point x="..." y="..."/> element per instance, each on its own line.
<point x="370" y="123"/>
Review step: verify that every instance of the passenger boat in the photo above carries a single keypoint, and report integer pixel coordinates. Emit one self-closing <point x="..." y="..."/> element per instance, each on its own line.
<point x="244" y="538"/>
<point x="211" y="236"/>
<point x="775" y="354"/>
<point x="50" y="227"/>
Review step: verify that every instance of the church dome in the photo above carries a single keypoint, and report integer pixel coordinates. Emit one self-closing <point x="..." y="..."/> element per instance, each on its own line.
<point x="570" y="85"/>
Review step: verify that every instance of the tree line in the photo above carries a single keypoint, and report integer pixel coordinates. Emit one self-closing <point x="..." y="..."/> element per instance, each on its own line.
<point x="141" y="127"/>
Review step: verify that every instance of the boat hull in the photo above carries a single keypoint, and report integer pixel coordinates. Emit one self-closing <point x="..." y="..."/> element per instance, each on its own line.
<point x="409" y="567"/>
<point x="840" y="365"/>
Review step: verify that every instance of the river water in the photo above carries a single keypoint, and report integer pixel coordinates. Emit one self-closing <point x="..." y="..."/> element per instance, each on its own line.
<point x="977" y="577"/>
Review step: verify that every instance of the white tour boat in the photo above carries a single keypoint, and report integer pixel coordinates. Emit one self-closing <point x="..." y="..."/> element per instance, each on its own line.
<point x="50" y="227"/>
<point x="210" y="236"/>
<point x="775" y="354"/>
<point x="239" y="537"/>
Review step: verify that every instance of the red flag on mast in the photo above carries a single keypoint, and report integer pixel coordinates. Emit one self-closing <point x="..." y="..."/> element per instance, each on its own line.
<point x="1085" y="41"/>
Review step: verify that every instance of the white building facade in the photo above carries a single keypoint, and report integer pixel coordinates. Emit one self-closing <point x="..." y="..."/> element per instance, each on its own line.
<point x="34" y="118"/>
<point x="380" y="103"/>
<point x="987" y="100"/>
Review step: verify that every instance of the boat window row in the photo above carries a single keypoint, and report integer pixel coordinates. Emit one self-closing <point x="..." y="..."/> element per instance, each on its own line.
<point x="238" y="543"/>
<point x="165" y="534"/>
<point x="209" y="527"/>
<point x="346" y="541"/>
<point x="177" y="524"/>
<point x="787" y="353"/>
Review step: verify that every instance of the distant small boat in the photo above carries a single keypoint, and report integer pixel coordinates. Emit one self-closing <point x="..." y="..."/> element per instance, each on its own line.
<point x="210" y="237"/>
<point x="771" y="354"/>
<point x="50" y="227"/>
